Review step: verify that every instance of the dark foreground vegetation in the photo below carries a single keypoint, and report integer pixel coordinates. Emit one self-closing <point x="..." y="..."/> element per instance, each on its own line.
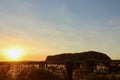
<point x="40" y="73"/>
<point x="25" y="73"/>
<point x="79" y="66"/>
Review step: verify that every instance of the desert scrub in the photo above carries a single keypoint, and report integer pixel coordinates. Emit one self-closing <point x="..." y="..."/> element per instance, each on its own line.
<point x="103" y="77"/>
<point x="96" y="77"/>
<point x="33" y="73"/>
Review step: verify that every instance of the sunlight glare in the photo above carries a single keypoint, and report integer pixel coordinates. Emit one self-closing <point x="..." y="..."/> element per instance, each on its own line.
<point x="14" y="53"/>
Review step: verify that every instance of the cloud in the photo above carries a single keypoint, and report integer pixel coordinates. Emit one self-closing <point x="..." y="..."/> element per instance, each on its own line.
<point x="115" y="22"/>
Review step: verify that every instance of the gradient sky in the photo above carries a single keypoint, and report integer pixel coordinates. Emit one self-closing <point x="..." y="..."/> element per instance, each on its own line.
<point x="48" y="27"/>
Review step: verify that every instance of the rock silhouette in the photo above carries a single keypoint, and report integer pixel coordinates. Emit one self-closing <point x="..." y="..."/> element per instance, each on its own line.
<point x="78" y="57"/>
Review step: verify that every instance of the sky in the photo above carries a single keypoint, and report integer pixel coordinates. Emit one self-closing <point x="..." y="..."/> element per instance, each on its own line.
<point x="49" y="27"/>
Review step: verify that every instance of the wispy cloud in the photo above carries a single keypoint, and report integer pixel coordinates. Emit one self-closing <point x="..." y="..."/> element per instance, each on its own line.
<point x="115" y="22"/>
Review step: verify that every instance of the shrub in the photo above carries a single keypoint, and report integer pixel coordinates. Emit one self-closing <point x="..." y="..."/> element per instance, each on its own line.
<point x="33" y="73"/>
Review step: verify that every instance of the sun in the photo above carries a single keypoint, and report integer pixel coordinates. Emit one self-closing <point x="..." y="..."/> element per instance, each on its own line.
<point x="14" y="53"/>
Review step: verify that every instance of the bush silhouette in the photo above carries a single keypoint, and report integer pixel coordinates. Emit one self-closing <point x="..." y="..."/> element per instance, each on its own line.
<point x="33" y="73"/>
<point x="69" y="68"/>
<point x="4" y="73"/>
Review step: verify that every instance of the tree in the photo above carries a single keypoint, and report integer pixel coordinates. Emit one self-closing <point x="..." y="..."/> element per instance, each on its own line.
<point x="69" y="68"/>
<point x="91" y="65"/>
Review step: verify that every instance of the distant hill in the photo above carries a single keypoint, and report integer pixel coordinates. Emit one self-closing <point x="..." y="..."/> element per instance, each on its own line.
<point x="78" y="57"/>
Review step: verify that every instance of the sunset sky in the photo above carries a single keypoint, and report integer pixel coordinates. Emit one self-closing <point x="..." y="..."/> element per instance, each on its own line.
<point x="48" y="27"/>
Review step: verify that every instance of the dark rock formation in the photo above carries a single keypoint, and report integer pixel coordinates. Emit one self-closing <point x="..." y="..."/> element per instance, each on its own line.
<point x="78" y="57"/>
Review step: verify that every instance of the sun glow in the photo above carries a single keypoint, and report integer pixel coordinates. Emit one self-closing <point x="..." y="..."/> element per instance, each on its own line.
<point x="14" y="53"/>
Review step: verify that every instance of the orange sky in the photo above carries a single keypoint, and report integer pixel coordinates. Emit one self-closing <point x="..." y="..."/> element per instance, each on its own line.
<point x="49" y="27"/>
